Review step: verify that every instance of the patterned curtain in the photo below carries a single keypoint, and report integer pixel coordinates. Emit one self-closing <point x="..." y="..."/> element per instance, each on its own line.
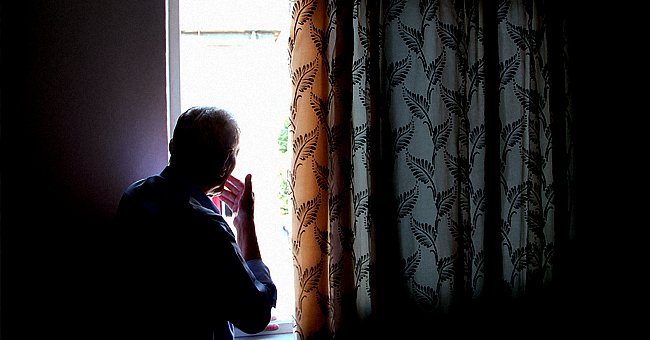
<point x="432" y="160"/>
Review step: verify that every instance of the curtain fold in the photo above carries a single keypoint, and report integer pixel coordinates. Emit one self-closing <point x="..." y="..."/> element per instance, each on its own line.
<point x="432" y="161"/>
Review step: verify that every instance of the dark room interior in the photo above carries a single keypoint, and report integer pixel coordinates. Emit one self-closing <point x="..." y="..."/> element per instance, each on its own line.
<point x="79" y="77"/>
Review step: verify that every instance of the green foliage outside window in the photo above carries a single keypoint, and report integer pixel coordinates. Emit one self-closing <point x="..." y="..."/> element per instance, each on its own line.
<point x="283" y="139"/>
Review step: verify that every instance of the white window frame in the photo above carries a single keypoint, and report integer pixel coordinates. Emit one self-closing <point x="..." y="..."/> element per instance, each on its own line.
<point x="173" y="64"/>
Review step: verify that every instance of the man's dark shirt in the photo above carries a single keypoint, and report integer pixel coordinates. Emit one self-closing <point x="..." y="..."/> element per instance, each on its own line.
<point x="179" y="271"/>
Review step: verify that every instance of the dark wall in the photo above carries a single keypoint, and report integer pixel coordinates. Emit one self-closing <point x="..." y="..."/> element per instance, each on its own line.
<point x="83" y="114"/>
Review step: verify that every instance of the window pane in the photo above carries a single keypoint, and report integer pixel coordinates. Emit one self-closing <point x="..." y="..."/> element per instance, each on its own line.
<point x="234" y="55"/>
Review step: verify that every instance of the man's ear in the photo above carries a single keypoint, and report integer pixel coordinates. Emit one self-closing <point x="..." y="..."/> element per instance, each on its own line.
<point x="171" y="145"/>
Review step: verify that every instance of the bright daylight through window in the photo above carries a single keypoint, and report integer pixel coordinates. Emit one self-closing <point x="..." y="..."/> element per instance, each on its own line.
<point x="234" y="54"/>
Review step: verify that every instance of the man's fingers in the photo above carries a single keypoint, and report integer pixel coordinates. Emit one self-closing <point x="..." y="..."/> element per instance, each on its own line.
<point x="227" y="196"/>
<point x="248" y="187"/>
<point x="235" y="192"/>
<point x="234" y="183"/>
<point x="272" y="327"/>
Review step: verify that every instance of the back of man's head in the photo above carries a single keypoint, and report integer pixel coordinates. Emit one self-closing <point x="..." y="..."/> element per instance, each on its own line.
<point x="203" y="140"/>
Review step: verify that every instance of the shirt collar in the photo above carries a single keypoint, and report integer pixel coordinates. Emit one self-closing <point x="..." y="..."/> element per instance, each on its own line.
<point x="192" y="189"/>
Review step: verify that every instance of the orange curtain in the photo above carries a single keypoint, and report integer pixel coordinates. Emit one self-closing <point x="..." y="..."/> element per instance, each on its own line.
<point x="326" y="248"/>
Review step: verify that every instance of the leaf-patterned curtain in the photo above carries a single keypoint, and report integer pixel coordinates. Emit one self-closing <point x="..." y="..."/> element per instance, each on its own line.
<point x="432" y="159"/>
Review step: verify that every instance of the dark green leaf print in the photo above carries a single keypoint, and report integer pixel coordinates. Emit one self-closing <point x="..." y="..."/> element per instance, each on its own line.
<point x="451" y="36"/>
<point x="394" y="9"/>
<point x="304" y="146"/>
<point x="406" y="202"/>
<point x="428" y="9"/>
<point x="424" y="233"/>
<point x="413" y="38"/>
<point x="425" y="296"/>
<point x="398" y="70"/>
<point x="410" y="264"/>
<point x="310" y="277"/>
<point x="422" y="169"/>
<point x="303" y="77"/>
<point x="358" y="70"/>
<point x="402" y="137"/>
<point x="418" y="104"/>
<point x="508" y="69"/>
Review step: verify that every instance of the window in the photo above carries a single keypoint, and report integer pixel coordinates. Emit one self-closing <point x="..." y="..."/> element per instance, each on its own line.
<point x="234" y="54"/>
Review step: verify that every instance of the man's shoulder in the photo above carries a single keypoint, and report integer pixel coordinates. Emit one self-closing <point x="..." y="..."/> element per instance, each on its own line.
<point x="151" y="183"/>
<point x="169" y="202"/>
<point x="149" y="197"/>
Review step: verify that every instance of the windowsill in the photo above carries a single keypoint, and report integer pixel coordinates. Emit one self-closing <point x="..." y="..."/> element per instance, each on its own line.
<point x="281" y="336"/>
